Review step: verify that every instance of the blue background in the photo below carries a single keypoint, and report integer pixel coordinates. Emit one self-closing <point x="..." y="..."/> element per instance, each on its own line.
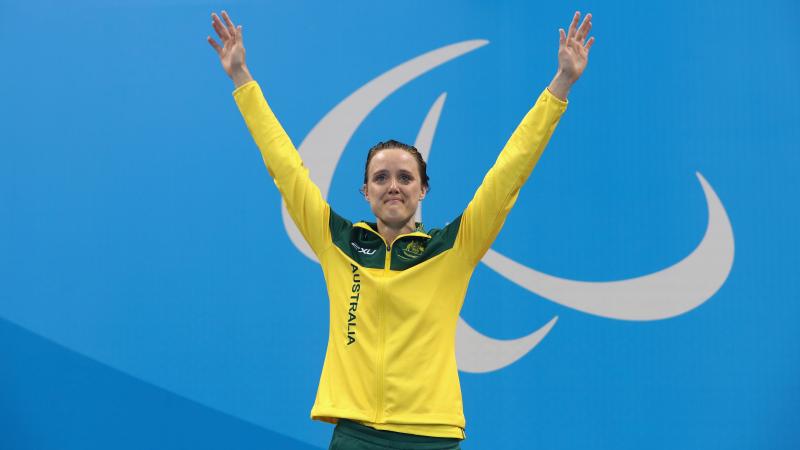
<point x="151" y="299"/>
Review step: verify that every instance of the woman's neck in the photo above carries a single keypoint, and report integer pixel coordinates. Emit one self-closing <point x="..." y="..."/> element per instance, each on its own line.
<point x="389" y="232"/>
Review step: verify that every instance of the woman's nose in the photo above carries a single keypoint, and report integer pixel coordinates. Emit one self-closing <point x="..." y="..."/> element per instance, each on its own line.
<point x="393" y="185"/>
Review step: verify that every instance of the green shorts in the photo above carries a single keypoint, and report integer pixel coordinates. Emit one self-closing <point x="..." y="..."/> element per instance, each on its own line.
<point x="349" y="435"/>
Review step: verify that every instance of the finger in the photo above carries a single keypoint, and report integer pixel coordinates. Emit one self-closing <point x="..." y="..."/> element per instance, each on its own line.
<point x="575" y="18"/>
<point x="229" y="23"/>
<point x="584" y="34"/>
<point x="562" y="37"/>
<point x="239" y="33"/>
<point x="214" y="44"/>
<point x="222" y="32"/>
<point x="583" y="31"/>
<point x="590" y="43"/>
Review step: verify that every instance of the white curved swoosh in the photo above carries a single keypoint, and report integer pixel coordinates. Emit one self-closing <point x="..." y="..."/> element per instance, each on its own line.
<point x="324" y="145"/>
<point x="425" y="137"/>
<point x="660" y="295"/>
<point x="477" y="353"/>
<point x="426" y="132"/>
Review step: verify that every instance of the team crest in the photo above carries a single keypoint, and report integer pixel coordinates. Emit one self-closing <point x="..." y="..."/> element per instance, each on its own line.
<point x="413" y="249"/>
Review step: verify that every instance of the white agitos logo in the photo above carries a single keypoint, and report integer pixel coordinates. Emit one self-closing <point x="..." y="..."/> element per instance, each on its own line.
<point x="660" y="295"/>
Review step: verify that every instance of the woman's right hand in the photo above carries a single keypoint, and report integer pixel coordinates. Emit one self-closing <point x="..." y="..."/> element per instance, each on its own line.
<point x="231" y="52"/>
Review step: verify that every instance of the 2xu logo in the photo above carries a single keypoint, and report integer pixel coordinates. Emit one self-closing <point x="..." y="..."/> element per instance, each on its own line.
<point x="365" y="251"/>
<point x="667" y="293"/>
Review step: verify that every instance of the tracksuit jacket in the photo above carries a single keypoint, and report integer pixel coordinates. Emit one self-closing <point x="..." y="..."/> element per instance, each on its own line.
<point x="390" y="361"/>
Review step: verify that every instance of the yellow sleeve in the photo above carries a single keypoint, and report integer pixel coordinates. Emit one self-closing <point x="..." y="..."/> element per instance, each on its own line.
<point x="304" y="201"/>
<point x="484" y="216"/>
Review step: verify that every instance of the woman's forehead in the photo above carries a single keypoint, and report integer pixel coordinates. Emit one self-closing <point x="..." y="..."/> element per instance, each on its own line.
<point x="392" y="158"/>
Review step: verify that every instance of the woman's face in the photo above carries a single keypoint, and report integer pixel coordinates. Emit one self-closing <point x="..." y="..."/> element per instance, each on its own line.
<point x="393" y="187"/>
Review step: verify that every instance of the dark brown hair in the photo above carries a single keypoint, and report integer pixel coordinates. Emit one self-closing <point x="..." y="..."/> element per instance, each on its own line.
<point x="391" y="143"/>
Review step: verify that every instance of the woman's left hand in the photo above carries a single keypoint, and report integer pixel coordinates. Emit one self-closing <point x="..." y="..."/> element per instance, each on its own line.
<point x="573" y="48"/>
<point x="573" y="54"/>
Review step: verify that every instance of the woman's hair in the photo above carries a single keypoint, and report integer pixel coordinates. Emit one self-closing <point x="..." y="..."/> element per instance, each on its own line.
<point x="423" y="172"/>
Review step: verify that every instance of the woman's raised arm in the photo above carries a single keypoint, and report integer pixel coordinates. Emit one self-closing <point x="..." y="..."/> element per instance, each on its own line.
<point x="303" y="199"/>
<point x="485" y="214"/>
<point x="231" y="52"/>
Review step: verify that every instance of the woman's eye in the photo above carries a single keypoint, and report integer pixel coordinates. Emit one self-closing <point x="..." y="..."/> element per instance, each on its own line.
<point x="379" y="177"/>
<point x="405" y="178"/>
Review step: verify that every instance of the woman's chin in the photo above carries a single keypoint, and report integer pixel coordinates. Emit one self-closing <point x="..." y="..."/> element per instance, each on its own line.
<point x="392" y="218"/>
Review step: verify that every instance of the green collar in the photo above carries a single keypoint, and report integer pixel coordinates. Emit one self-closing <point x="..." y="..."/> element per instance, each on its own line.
<point x="372" y="226"/>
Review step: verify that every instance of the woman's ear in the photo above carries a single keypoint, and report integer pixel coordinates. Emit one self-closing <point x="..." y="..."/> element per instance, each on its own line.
<point x="364" y="191"/>
<point x="422" y="193"/>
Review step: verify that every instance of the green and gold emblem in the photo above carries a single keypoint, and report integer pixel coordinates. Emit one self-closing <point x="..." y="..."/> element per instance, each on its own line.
<point x="414" y="249"/>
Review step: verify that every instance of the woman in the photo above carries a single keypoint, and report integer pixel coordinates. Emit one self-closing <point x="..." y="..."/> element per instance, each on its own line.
<point x="395" y="290"/>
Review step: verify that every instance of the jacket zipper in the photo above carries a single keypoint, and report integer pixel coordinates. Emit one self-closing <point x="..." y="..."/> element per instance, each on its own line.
<point x="379" y="362"/>
<point x="382" y="335"/>
<point x="381" y="328"/>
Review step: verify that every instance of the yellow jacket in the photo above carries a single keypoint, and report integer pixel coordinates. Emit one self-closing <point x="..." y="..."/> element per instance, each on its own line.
<point x="394" y="306"/>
